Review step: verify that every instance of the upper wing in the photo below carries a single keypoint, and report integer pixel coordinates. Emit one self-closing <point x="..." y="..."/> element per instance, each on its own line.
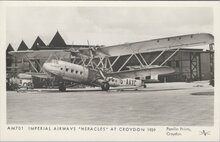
<point x="143" y="72"/>
<point x="158" y="44"/>
<point x="126" y="49"/>
<point x="39" y="54"/>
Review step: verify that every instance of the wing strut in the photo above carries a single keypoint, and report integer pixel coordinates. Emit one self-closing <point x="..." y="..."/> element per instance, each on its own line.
<point x="115" y="61"/>
<point x="110" y="64"/>
<point x="31" y="63"/>
<point x="143" y="59"/>
<point x="100" y="62"/>
<point x="125" y="62"/>
<point x="157" y="57"/>
<point x="170" y="56"/>
<point x="139" y="60"/>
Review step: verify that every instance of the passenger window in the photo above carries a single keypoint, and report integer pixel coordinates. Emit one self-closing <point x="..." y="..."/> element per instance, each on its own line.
<point x="76" y="72"/>
<point x="61" y="68"/>
<point x="72" y="70"/>
<point x="80" y="73"/>
<point x="67" y="69"/>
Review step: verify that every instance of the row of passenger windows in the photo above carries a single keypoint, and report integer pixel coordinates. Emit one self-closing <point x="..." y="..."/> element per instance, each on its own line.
<point x="72" y="71"/>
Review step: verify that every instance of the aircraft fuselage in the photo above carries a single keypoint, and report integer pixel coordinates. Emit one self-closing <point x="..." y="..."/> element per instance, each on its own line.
<point x="80" y="74"/>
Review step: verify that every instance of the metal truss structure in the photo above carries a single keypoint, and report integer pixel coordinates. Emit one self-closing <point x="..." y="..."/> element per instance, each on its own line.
<point x="195" y="66"/>
<point x="107" y="63"/>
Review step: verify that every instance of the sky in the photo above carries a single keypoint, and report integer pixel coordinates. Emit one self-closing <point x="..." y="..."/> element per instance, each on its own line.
<point x="104" y="25"/>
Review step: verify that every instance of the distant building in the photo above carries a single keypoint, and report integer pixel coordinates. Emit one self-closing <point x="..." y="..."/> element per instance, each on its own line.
<point x="37" y="43"/>
<point x="57" y="41"/>
<point x="9" y="60"/>
<point x="22" y="46"/>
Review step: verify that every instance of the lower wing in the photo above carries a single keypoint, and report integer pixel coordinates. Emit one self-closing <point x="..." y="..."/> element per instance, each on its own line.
<point x="143" y="72"/>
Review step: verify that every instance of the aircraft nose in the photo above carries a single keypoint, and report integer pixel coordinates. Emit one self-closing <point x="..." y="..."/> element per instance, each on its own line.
<point x="51" y="68"/>
<point x="48" y="67"/>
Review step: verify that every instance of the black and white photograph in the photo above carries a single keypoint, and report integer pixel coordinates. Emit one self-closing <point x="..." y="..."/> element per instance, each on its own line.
<point x="81" y="68"/>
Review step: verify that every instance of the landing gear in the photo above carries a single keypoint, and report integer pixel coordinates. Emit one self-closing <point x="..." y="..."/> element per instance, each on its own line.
<point x="62" y="87"/>
<point x="105" y="86"/>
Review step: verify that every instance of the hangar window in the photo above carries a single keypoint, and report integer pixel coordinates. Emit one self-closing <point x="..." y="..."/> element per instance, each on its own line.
<point x="67" y="69"/>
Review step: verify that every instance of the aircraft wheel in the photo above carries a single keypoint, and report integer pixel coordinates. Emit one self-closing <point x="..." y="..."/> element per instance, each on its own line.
<point x="105" y="86"/>
<point x="25" y="84"/>
<point x="62" y="88"/>
<point x="30" y="85"/>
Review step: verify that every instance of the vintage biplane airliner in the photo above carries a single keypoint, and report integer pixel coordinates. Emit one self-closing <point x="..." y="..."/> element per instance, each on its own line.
<point x="94" y="65"/>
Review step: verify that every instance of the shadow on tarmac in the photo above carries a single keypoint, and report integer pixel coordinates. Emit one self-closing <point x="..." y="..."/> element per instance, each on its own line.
<point x="116" y="90"/>
<point x="203" y="93"/>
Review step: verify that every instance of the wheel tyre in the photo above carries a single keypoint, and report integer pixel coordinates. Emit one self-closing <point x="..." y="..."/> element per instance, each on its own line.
<point x="105" y="86"/>
<point x="25" y="84"/>
<point x="29" y="85"/>
<point x="62" y="88"/>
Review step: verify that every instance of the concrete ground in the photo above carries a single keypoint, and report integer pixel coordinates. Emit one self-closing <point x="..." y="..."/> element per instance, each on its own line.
<point x="160" y="104"/>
